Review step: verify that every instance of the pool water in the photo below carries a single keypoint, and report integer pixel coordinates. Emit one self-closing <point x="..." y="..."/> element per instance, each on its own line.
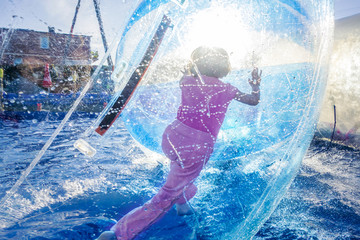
<point x="71" y="196"/>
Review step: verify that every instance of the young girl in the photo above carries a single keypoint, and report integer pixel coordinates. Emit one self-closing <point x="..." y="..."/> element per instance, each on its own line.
<point x="189" y="141"/>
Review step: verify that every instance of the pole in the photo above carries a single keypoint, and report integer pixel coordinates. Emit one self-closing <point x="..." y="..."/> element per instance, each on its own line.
<point x="98" y="15"/>
<point x="1" y="90"/>
<point x="71" y="30"/>
<point x="334" y="128"/>
<point x="75" y="16"/>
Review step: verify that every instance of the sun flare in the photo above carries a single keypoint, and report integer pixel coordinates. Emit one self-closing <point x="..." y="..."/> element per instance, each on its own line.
<point x="221" y="27"/>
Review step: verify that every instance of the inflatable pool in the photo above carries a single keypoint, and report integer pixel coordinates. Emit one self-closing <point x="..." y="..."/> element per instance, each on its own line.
<point x="259" y="149"/>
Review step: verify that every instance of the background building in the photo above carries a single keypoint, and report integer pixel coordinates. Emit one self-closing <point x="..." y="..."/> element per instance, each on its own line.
<point x="21" y="46"/>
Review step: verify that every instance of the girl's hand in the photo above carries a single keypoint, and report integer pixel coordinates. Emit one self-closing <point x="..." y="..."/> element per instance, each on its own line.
<point x="256" y="77"/>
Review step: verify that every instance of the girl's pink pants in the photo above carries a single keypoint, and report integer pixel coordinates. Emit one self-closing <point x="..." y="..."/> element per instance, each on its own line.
<point x="189" y="150"/>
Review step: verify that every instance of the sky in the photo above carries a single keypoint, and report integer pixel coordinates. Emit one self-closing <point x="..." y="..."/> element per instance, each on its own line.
<point x="345" y="8"/>
<point x="41" y="14"/>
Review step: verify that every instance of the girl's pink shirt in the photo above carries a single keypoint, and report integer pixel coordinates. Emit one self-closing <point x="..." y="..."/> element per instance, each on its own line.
<point x="203" y="106"/>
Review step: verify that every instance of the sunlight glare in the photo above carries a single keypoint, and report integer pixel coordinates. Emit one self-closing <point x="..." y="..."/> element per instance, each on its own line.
<point x="220" y="27"/>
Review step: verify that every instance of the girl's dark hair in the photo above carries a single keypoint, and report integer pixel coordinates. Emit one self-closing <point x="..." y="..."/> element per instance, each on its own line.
<point x="210" y="61"/>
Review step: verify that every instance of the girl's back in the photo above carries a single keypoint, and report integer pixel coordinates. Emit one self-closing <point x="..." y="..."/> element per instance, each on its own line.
<point x="203" y="105"/>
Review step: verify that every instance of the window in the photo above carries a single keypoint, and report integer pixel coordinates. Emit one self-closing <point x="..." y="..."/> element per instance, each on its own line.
<point x="44" y="42"/>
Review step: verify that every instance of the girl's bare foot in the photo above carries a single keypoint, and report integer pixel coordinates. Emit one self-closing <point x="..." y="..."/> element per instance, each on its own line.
<point x="183" y="209"/>
<point x="107" y="235"/>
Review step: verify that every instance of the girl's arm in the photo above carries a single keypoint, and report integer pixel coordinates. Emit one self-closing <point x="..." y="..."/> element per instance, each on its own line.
<point x="253" y="98"/>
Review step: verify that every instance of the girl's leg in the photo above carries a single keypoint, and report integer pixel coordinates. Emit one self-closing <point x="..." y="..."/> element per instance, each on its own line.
<point x="142" y="217"/>
<point x="188" y="150"/>
<point x="182" y="206"/>
<point x="188" y="193"/>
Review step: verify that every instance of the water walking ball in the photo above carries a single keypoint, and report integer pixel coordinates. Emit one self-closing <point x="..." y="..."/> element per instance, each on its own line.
<point x="259" y="149"/>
